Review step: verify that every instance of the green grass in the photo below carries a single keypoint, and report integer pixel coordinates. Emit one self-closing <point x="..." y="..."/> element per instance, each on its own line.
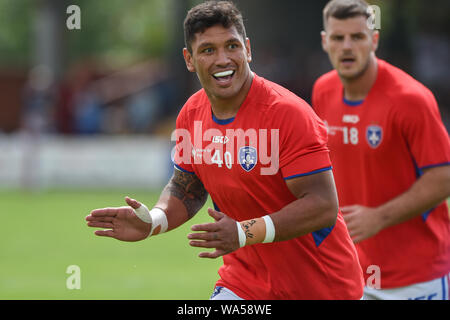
<point x="44" y="233"/>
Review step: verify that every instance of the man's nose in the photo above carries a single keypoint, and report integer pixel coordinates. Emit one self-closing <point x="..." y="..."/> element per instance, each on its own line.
<point x="348" y="44"/>
<point x="223" y="58"/>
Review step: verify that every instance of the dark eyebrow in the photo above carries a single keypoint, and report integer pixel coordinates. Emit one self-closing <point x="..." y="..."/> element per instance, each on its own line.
<point x="204" y="45"/>
<point x="210" y="44"/>
<point x="233" y="40"/>
<point x="351" y="35"/>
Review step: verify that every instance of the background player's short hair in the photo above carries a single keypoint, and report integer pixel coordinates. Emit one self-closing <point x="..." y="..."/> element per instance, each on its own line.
<point x="344" y="9"/>
<point x="208" y="14"/>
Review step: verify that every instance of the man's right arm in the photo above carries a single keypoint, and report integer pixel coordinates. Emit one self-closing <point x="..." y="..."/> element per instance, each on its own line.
<point x="182" y="198"/>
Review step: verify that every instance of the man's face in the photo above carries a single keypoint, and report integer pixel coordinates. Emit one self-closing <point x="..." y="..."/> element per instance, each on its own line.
<point x="349" y="44"/>
<point x="221" y="58"/>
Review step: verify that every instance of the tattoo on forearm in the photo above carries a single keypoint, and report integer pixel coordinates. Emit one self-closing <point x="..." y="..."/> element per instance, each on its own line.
<point x="189" y="189"/>
<point x="246" y="225"/>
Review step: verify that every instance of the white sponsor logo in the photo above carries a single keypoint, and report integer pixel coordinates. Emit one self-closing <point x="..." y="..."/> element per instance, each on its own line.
<point x="350" y="118"/>
<point x="220" y="139"/>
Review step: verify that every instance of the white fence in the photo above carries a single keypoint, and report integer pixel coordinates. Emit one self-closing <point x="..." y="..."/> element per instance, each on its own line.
<point x="84" y="162"/>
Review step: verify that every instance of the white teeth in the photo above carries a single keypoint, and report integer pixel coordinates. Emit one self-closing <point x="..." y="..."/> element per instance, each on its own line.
<point x="223" y="73"/>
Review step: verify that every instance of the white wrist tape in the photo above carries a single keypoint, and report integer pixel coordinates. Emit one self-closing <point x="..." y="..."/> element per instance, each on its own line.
<point x="241" y="234"/>
<point x="270" y="229"/>
<point x="269" y="235"/>
<point x="143" y="213"/>
<point x="157" y="217"/>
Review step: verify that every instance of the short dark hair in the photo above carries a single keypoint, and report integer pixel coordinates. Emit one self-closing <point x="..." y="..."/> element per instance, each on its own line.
<point x="344" y="9"/>
<point x="208" y="14"/>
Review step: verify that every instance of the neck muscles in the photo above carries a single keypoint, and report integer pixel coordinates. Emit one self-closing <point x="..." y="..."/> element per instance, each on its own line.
<point x="228" y="108"/>
<point x="357" y="89"/>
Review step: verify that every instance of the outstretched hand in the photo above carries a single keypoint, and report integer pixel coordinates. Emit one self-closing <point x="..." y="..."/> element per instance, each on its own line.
<point x="120" y="223"/>
<point x="221" y="234"/>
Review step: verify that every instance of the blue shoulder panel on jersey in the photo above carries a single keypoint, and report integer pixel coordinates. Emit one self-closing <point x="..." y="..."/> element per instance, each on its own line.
<point x="181" y="169"/>
<point x="321" y="234"/>
<point x="307" y="173"/>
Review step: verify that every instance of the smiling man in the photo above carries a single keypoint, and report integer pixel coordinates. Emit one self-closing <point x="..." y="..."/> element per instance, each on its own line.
<point x="280" y="234"/>
<point x="391" y="156"/>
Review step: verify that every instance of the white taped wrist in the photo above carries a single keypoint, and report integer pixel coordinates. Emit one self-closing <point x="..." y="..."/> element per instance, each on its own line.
<point x="157" y="217"/>
<point x="241" y="233"/>
<point x="270" y="229"/>
<point x="159" y="221"/>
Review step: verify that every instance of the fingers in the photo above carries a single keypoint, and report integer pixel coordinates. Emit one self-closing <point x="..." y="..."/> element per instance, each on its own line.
<point x="206" y="236"/>
<point x="99" y="219"/>
<point x="215" y="214"/>
<point x="105" y="233"/>
<point x="106" y="212"/>
<point x="351" y="208"/>
<point x="96" y="224"/>
<point x="348" y="218"/>
<point x="205" y="244"/>
<point x="209" y="227"/>
<point x="212" y="255"/>
<point x="132" y="202"/>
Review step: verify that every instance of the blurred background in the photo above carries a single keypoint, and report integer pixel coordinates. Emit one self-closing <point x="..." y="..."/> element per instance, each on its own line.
<point x="70" y="99"/>
<point x="86" y="116"/>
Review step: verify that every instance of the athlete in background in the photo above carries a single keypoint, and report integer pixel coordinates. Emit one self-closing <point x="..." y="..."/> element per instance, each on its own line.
<point x="261" y="154"/>
<point x="391" y="154"/>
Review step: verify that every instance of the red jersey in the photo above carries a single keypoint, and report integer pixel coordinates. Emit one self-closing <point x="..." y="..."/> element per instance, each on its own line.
<point x="379" y="147"/>
<point x="243" y="163"/>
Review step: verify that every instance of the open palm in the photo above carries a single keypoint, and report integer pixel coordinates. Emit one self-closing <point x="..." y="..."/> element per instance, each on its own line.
<point x="120" y="223"/>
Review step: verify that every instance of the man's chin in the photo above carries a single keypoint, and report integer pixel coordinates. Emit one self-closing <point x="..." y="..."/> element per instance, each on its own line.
<point x="350" y="75"/>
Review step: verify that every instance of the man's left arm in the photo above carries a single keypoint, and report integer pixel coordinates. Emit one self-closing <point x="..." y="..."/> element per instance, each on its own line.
<point x="315" y="208"/>
<point x="431" y="189"/>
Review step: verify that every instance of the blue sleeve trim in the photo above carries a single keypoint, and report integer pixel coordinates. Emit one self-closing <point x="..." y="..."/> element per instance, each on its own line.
<point x="435" y="165"/>
<point x="307" y="173"/>
<point x="181" y="169"/>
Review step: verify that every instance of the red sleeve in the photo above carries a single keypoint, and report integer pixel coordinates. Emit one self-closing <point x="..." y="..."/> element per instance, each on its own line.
<point x="421" y="125"/>
<point x="303" y="141"/>
<point x="182" y="158"/>
<point x="315" y="97"/>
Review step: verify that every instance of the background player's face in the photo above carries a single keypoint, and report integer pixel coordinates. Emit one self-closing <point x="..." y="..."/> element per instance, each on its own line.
<point x="350" y="44"/>
<point x="215" y="51"/>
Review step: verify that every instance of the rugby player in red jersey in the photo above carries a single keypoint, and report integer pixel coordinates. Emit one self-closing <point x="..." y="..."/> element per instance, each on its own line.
<point x="260" y="152"/>
<point x="391" y="154"/>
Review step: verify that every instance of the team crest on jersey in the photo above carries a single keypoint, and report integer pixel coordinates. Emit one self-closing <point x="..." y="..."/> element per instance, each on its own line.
<point x="248" y="156"/>
<point x="374" y="135"/>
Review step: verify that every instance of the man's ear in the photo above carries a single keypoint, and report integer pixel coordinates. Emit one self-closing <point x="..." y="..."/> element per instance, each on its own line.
<point x="249" y="50"/>
<point x="375" y="39"/>
<point x="323" y="35"/>
<point x="189" y="60"/>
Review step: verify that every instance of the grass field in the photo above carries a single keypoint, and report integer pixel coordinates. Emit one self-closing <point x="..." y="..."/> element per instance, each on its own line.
<point x="44" y="233"/>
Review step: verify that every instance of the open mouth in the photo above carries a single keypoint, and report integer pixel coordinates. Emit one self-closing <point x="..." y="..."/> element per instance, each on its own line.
<point x="347" y="60"/>
<point x="224" y="76"/>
